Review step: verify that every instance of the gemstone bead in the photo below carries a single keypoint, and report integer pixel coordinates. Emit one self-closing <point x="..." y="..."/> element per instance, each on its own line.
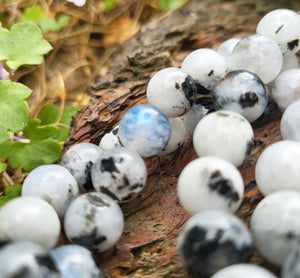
<point x="291" y="266"/>
<point x="290" y="122"/>
<point x="110" y="140"/>
<point x="210" y="183"/>
<point x="225" y="48"/>
<point x="275" y="225"/>
<point x="212" y="240"/>
<point x="145" y="129"/>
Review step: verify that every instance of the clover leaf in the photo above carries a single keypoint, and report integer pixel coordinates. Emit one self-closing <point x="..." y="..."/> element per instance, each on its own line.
<point x="22" y="45"/>
<point x="11" y="192"/>
<point x="13" y="107"/>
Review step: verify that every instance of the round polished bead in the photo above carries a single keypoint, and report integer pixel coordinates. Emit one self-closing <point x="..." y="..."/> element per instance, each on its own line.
<point x="275" y="225"/>
<point x="110" y="140"/>
<point x="204" y="65"/>
<point x="291" y="266"/>
<point x="282" y="26"/>
<point x="168" y="90"/>
<point x="177" y="136"/>
<point x="210" y="183"/>
<point x="75" y="261"/>
<point x="29" y="219"/>
<point x="95" y="221"/>
<point x="257" y="54"/>
<point x="119" y="173"/>
<point x="289" y="62"/>
<point x="286" y="88"/>
<point x="225" y="48"/>
<point x="278" y="167"/>
<point x="224" y="134"/>
<point x="243" y="92"/>
<point x="245" y="271"/>
<point x="145" y="129"/>
<point x="212" y="240"/>
<point x="54" y="184"/>
<point x="290" y="122"/>
<point x="79" y="160"/>
<point x="24" y="259"/>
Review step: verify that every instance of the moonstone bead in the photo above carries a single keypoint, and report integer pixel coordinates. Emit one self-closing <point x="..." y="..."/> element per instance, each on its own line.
<point x="75" y="261"/>
<point x="79" y="160"/>
<point x="24" y="259"/>
<point x="168" y="90"/>
<point x="210" y="183"/>
<point x="225" y="48"/>
<point x="177" y="136"/>
<point x="29" y="219"/>
<point x="95" y="221"/>
<point x="289" y="62"/>
<point x="258" y="54"/>
<point x="291" y="266"/>
<point x="205" y="66"/>
<point x="243" y="92"/>
<point x="52" y="183"/>
<point x="245" y="271"/>
<point x="212" y="240"/>
<point x="290" y="122"/>
<point x="282" y="26"/>
<point x="286" y="88"/>
<point x="110" y="140"/>
<point x="145" y="129"/>
<point x="278" y="167"/>
<point x="119" y="173"/>
<point x="224" y="134"/>
<point x="275" y="225"/>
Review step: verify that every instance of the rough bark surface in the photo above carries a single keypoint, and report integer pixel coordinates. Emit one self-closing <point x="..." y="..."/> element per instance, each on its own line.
<point x="155" y="218"/>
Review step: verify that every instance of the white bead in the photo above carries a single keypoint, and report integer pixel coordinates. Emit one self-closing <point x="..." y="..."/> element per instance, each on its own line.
<point x="291" y="266"/>
<point x="290" y="122"/>
<point x="243" y="92"/>
<point x="177" y="136"/>
<point x="54" y="184"/>
<point x="286" y="88"/>
<point x="275" y="225"/>
<point x="79" y="160"/>
<point x="75" y="261"/>
<point x="210" y="183"/>
<point x="278" y="167"/>
<point x="225" y="49"/>
<point x="257" y="54"/>
<point x="25" y="259"/>
<point x="94" y="221"/>
<point x="120" y="173"/>
<point x="29" y="219"/>
<point x="245" y="271"/>
<point x="282" y="26"/>
<point x="204" y="65"/>
<point x="166" y="91"/>
<point x="224" y="134"/>
<point x="289" y="62"/>
<point x="110" y="140"/>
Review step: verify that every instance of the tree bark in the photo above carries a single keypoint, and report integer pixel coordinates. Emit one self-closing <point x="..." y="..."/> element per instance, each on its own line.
<point x="155" y="218"/>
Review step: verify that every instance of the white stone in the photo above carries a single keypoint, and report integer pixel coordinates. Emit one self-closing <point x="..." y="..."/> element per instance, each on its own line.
<point x="166" y="91"/>
<point x="110" y="140"/>
<point x="258" y="54"/>
<point x="282" y="26"/>
<point x="210" y="183"/>
<point x="286" y="88"/>
<point x="79" y="160"/>
<point x="94" y="221"/>
<point x="204" y="65"/>
<point x="290" y="122"/>
<point x="120" y="173"/>
<point x="177" y="136"/>
<point x="224" y="134"/>
<point x="291" y="266"/>
<point x="244" y="271"/>
<point x="289" y="62"/>
<point x="278" y="167"/>
<point x="29" y="219"/>
<point x="275" y="225"/>
<point x="54" y="184"/>
<point x="225" y="49"/>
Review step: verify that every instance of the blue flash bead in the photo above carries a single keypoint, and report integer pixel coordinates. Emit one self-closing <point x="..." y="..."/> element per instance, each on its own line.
<point x="145" y="129"/>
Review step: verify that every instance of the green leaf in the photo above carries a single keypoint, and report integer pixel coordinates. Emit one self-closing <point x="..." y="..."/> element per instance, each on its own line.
<point x="35" y="132"/>
<point x="109" y="5"/>
<point x="13" y="107"/>
<point x="3" y="167"/>
<point x="11" y="192"/>
<point x="37" y="16"/>
<point x="169" y="4"/>
<point x="22" y="45"/>
<point x="49" y="114"/>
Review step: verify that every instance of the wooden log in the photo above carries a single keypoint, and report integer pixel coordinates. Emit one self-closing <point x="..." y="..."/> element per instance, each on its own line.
<point x="155" y="218"/>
